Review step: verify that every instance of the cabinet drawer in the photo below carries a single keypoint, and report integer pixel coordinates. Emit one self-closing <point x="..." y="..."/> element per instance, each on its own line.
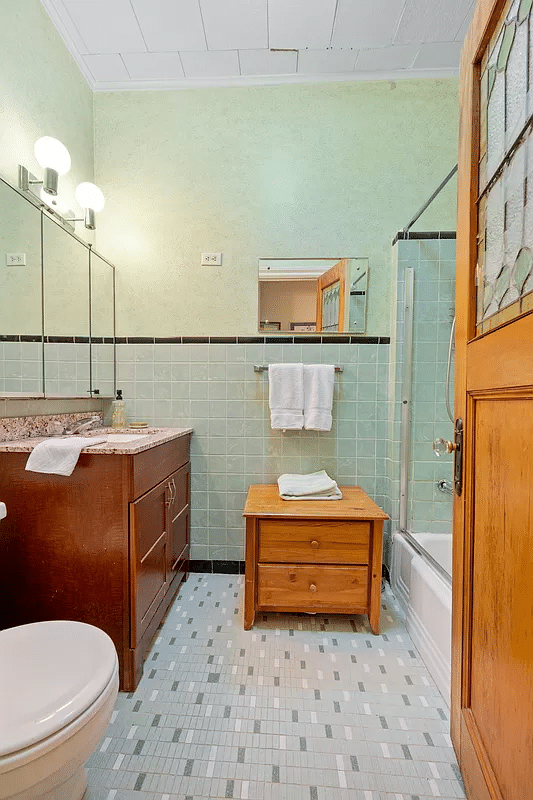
<point x="314" y="541"/>
<point x="308" y="587"/>
<point x="154" y="465"/>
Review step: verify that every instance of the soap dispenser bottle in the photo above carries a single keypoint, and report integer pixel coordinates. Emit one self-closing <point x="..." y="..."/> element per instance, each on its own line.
<point x="118" y="418"/>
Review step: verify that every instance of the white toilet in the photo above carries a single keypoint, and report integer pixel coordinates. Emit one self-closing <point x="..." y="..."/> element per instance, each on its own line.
<point x="58" y="686"/>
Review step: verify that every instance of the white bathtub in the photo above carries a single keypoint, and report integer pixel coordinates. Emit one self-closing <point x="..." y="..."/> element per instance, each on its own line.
<point x="425" y="595"/>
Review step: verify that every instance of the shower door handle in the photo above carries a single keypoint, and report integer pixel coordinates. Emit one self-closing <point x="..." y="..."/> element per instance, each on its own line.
<point x="458" y="457"/>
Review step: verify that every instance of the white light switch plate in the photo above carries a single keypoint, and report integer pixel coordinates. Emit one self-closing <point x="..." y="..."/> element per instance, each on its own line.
<point x="211" y="259"/>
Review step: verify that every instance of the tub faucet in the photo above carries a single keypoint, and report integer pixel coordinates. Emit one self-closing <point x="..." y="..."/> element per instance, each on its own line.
<point x="445" y="486"/>
<point x="83" y="425"/>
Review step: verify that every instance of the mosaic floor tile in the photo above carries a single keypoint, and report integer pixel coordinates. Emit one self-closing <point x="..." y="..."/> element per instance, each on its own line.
<point x="302" y="707"/>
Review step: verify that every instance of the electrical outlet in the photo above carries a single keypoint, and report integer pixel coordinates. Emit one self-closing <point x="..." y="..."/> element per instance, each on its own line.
<point x="211" y="259"/>
<point x="15" y="259"/>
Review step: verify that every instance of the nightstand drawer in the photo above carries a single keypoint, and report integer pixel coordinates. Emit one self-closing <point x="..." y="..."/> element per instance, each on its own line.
<point x="314" y="541"/>
<point x="302" y="587"/>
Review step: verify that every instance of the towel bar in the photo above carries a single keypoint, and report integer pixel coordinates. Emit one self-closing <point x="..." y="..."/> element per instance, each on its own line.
<point x="264" y="368"/>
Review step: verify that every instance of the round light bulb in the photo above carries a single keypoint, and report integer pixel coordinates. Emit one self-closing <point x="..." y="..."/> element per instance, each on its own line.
<point x="51" y="153"/>
<point x="90" y="196"/>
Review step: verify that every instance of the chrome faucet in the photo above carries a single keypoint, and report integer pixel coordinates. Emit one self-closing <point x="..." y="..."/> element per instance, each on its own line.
<point x="83" y="425"/>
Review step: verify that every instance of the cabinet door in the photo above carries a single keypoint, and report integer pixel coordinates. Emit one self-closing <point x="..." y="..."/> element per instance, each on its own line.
<point x="149" y="556"/>
<point x="178" y="520"/>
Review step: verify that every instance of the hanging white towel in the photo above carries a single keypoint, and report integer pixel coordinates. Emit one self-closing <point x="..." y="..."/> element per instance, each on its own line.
<point x="318" y="396"/>
<point x="314" y="486"/>
<point x="59" y="456"/>
<point x="286" y="396"/>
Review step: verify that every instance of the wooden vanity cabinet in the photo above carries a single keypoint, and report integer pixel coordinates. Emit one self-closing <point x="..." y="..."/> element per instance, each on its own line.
<point x="108" y="545"/>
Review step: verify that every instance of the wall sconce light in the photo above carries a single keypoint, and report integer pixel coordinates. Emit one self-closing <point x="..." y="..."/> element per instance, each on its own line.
<point x="92" y="200"/>
<point x="54" y="158"/>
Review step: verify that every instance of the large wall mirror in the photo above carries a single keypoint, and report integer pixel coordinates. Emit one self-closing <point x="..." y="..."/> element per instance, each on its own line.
<point x="322" y="295"/>
<point x="21" y="315"/>
<point x="55" y="292"/>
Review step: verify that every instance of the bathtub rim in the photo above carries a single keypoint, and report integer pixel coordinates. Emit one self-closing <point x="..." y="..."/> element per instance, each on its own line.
<point x="421" y="551"/>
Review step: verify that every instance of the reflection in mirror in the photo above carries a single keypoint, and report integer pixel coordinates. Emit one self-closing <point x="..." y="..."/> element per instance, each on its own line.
<point x="102" y="326"/>
<point x="66" y="312"/>
<point x="313" y="294"/>
<point x="21" y="368"/>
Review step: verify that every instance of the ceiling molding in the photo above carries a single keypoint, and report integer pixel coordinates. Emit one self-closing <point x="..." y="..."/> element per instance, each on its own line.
<point x="69" y="42"/>
<point x="272" y="80"/>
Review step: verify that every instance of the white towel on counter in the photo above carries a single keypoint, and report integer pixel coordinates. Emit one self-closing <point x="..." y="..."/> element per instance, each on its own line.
<point x="318" y="396"/>
<point x="315" y="486"/>
<point x="59" y="456"/>
<point x="286" y="396"/>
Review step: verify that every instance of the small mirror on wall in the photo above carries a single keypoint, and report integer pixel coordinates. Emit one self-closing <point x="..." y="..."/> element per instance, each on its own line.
<point x="310" y="295"/>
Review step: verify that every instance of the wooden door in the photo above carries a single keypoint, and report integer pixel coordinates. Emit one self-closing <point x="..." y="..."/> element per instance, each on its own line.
<point x="492" y="637"/>
<point x="330" y="293"/>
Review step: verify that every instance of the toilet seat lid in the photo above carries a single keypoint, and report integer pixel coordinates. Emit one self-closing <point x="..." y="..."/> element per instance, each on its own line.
<point x="50" y="673"/>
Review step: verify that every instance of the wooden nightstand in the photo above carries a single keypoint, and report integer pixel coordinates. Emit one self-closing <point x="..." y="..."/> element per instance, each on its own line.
<point x="313" y="555"/>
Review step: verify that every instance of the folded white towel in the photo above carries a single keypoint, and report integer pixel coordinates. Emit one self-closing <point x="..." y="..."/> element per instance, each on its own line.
<point x="59" y="456"/>
<point x="315" y="486"/>
<point x="318" y="396"/>
<point x="286" y="396"/>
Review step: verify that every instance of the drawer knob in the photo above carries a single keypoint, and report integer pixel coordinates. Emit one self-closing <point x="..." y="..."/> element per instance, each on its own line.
<point x="312" y="587"/>
<point x="314" y="544"/>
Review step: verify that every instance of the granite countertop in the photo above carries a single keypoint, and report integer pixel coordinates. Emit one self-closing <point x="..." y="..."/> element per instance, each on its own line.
<point x="145" y="438"/>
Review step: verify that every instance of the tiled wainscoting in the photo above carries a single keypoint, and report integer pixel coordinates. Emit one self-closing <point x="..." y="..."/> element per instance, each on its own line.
<point x="301" y="707"/>
<point x="61" y="365"/>
<point x="212" y="387"/>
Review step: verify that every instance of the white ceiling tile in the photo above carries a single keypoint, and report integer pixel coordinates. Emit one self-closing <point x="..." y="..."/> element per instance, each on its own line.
<point x="436" y="21"/>
<point x="211" y="64"/>
<point x="170" y="24"/>
<point x="438" y="54"/>
<point x="106" y="27"/>
<point x="153" y="66"/>
<point x="301" y="23"/>
<point x="265" y="62"/>
<point x="108" y="67"/>
<point x="366" y="23"/>
<point x="463" y="30"/>
<point x="315" y="62"/>
<point x="386" y="58"/>
<point x="235" y="24"/>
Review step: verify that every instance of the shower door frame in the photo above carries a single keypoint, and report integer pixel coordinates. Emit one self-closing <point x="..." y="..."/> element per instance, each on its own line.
<point x="406" y="397"/>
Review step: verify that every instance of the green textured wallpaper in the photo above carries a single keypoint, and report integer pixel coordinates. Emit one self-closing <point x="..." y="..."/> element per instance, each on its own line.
<point x="321" y="170"/>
